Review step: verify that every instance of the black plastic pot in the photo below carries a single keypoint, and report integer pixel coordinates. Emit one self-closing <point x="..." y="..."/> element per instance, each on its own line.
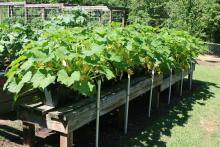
<point x="57" y="95"/>
<point x="51" y="98"/>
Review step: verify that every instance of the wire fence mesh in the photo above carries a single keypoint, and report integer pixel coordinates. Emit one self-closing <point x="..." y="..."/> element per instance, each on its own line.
<point x="29" y="12"/>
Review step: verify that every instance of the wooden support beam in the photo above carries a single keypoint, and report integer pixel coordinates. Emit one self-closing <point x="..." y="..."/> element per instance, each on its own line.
<point x="170" y="86"/>
<point x="123" y="18"/>
<point x="43" y="13"/>
<point x="110" y="16"/>
<point x="26" y="14"/>
<point x="190" y="76"/>
<point x="100" y="16"/>
<point x="158" y="97"/>
<point x="12" y="11"/>
<point x="28" y="134"/>
<point x="9" y="11"/>
<point x="181" y="83"/>
<point x="66" y="140"/>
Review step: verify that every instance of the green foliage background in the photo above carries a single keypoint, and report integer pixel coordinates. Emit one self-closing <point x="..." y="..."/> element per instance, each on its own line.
<point x="200" y="17"/>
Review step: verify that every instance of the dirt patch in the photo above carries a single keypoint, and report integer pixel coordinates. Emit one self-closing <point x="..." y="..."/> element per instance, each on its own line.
<point x="210" y="60"/>
<point x="210" y="125"/>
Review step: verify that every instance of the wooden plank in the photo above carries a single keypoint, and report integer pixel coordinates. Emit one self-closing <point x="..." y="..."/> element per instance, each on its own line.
<point x="88" y="8"/>
<point x="12" y="3"/>
<point x="158" y="97"/>
<point x="87" y="113"/>
<point x="110" y="16"/>
<point x="175" y="78"/>
<point x="66" y="140"/>
<point x="31" y="115"/>
<point x="44" y="6"/>
<point x="72" y="117"/>
<point x="28" y="134"/>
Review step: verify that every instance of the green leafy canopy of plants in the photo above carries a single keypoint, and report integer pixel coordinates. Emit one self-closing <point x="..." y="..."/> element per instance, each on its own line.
<point x="77" y="56"/>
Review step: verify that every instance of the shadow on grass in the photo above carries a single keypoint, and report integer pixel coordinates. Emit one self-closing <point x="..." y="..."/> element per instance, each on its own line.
<point x="11" y="134"/>
<point x="175" y="116"/>
<point x="141" y="130"/>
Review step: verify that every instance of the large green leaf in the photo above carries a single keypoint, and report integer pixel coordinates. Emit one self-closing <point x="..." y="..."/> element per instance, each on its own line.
<point x="63" y="77"/>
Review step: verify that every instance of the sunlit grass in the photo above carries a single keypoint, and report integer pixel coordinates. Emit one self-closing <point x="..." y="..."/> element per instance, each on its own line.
<point x="194" y="122"/>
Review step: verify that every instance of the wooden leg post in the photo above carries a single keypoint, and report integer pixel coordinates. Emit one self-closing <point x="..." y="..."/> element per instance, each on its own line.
<point x="181" y="84"/>
<point x="190" y="76"/>
<point x="158" y="97"/>
<point x="66" y="140"/>
<point x="28" y="134"/>
<point x="170" y="86"/>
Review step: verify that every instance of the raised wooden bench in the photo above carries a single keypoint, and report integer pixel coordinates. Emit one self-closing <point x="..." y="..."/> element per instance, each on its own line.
<point x="68" y="118"/>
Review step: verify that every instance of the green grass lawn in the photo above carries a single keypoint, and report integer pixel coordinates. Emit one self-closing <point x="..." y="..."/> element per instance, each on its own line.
<point x="193" y="122"/>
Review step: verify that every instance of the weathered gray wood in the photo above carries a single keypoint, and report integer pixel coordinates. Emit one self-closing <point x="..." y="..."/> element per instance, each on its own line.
<point x="158" y="97"/>
<point x="66" y="140"/>
<point x="12" y="3"/>
<point x="72" y="117"/>
<point x="110" y="16"/>
<point x="26" y="14"/>
<point x="123" y="18"/>
<point x="9" y="11"/>
<point x="175" y="78"/>
<point x="43" y="13"/>
<point x="170" y="86"/>
<point x="28" y="134"/>
<point x="44" y="6"/>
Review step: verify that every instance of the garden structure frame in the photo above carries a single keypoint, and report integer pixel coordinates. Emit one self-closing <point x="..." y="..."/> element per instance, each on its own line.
<point x="65" y="120"/>
<point x="60" y="7"/>
<point x="11" y="7"/>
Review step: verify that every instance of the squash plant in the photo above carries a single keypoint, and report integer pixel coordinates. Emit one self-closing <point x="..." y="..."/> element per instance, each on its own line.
<point x="69" y="18"/>
<point x="15" y="33"/>
<point x="12" y="39"/>
<point x="76" y="57"/>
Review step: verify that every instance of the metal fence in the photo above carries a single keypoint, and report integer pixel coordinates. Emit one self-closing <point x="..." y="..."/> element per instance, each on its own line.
<point x="28" y="12"/>
<point x="214" y="48"/>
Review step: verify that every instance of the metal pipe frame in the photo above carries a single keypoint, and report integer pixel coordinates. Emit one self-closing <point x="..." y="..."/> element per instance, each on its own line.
<point x="127" y="104"/>
<point x="98" y="113"/>
<point x="151" y="93"/>
<point x="170" y="86"/>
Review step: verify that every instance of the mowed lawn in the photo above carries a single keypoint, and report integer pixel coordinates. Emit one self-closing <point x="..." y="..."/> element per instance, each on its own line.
<point x="193" y="122"/>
